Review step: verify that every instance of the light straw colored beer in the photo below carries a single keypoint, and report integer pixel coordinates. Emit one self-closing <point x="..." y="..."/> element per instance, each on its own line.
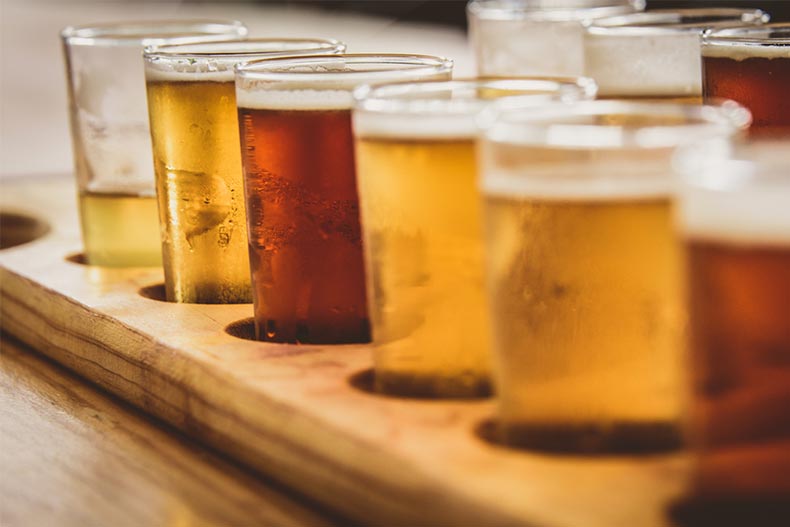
<point x="110" y="133"/>
<point x="584" y="274"/>
<point x="656" y="54"/>
<point x="421" y="215"/>
<point x="197" y="162"/>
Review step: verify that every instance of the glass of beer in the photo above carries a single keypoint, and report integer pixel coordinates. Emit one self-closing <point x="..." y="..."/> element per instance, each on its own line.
<point x="656" y="54"/>
<point x="751" y="66"/>
<point x="305" y="240"/>
<point x="535" y="37"/>
<point x="583" y="270"/>
<point x="734" y="219"/>
<point x="197" y="162"/>
<point x="420" y="208"/>
<point x="110" y="136"/>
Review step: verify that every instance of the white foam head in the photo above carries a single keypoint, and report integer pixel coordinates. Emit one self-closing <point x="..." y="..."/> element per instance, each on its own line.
<point x="735" y="195"/>
<point x="771" y="41"/>
<point x="294" y="99"/>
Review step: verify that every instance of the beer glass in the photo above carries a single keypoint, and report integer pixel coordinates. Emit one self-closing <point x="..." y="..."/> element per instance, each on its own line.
<point x="197" y="162"/>
<point x="421" y="220"/>
<point x="734" y="219"/>
<point x="655" y="54"/>
<point x="109" y="130"/>
<point x="751" y="66"/>
<point x="584" y="270"/>
<point x="303" y="214"/>
<point x="535" y="37"/>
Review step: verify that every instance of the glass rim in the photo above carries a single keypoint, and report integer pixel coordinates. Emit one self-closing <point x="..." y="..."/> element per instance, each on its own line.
<point x="152" y="32"/>
<point x="406" y="97"/>
<point x="672" y="21"/>
<point x="281" y="69"/>
<point x="751" y="35"/>
<point x="191" y="50"/>
<point x="540" y="11"/>
<point x="509" y="124"/>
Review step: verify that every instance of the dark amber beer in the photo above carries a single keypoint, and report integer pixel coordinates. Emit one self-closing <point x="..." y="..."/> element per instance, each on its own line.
<point x="751" y="66"/>
<point x="736" y="224"/>
<point x="305" y="240"/>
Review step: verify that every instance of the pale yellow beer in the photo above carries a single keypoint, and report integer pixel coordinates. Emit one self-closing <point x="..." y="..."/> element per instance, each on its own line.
<point x="197" y="163"/>
<point x="120" y="229"/>
<point x="421" y="215"/>
<point x="584" y="272"/>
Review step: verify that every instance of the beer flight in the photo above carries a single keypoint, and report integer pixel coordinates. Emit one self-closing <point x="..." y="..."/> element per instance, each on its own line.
<point x="596" y="229"/>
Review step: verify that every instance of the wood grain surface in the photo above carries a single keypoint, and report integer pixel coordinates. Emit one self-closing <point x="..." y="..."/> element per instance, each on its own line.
<point x="290" y="411"/>
<point x="72" y="456"/>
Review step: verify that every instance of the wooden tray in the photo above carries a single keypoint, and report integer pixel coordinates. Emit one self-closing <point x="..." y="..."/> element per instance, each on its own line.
<point x="291" y="411"/>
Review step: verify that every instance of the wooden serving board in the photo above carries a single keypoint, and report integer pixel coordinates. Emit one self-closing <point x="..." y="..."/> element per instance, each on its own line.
<point x="291" y="412"/>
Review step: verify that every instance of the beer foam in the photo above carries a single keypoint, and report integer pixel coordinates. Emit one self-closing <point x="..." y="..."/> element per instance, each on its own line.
<point x="193" y="74"/>
<point x="560" y="185"/>
<point x="405" y="126"/>
<point x="644" y="65"/>
<point x="295" y="99"/>
<point x="742" y="50"/>
<point x="758" y="215"/>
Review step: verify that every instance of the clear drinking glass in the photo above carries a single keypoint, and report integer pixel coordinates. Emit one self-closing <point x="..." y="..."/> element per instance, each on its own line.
<point x="535" y="37"/>
<point x="584" y="273"/>
<point x="655" y="54"/>
<point x="734" y="220"/>
<point x="751" y="65"/>
<point x="302" y="209"/>
<point x="109" y="129"/>
<point x="421" y="219"/>
<point x="197" y="162"/>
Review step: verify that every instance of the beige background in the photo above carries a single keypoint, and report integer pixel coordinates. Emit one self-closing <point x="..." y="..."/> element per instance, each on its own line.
<point x="34" y="136"/>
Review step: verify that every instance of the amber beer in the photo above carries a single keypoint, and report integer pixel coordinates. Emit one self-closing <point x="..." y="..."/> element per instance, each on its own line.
<point x="736" y="225"/>
<point x="305" y="241"/>
<point x="422" y="223"/>
<point x="584" y="273"/>
<point x="655" y="55"/>
<point x="197" y="162"/>
<point x="751" y="66"/>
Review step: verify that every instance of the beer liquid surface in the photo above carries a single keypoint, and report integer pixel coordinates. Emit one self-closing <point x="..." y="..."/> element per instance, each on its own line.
<point x="423" y="238"/>
<point x="197" y="161"/>
<point x="587" y="323"/>
<point x="305" y="242"/>
<point x="762" y="84"/>
<point x="120" y="230"/>
<point x="740" y="346"/>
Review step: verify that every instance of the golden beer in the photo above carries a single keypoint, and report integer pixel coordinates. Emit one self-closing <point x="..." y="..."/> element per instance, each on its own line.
<point x="120" y="229"/>
<point x="584" y="272"/>
<point x="197" y="162"/>
<point x="421" y="215"/>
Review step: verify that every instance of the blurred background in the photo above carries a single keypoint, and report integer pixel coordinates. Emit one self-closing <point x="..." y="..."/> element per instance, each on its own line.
<point x="34" y="136"/>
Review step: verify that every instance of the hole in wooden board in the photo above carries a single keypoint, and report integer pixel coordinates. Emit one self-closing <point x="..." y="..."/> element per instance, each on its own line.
<point x="153" y="292"/>
<point x="588" y="440"/>
<point x="365" y="381"/>
<point x="732" y="511"/>
<point x="77" y="258"/>
<point x="17" y="229"/>
<point x="242" y="329"/>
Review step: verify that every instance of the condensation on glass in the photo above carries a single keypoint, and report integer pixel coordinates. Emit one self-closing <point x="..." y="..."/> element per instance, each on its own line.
<point x="421" y="218"/>
<point x="535" y="37"/>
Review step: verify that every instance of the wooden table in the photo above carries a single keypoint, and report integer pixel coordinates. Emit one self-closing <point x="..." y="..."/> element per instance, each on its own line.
<point x="73" y="455"/>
